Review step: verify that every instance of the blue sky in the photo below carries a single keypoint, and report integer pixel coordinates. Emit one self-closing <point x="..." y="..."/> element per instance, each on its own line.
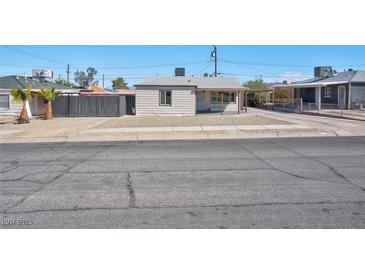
<point x="273" y="63"/>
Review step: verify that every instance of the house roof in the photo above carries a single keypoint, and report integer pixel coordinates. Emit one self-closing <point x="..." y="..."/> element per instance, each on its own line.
<point x="14" y="81"/>
<point x="357" y="76"/>
<point x="96" y="89"/>
<point x="125" y="91"/>
<point x="199" y="82"/>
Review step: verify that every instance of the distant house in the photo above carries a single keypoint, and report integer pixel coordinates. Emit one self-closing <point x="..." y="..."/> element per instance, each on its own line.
<point x="182" y="95"/>
<point x="329" y="89"/>
<point x="37" y="106"/>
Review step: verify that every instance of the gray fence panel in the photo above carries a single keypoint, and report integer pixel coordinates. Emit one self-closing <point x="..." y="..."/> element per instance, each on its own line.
<point x="100" y="106"/>
<point x="89" y="106"/>
<point x="60" y="106"/>
<point x="73" y="106"/>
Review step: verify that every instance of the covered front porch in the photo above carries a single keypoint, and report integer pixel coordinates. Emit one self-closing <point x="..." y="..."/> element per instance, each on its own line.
<point x="227" y="100"/>
<point x="317" y="96"/>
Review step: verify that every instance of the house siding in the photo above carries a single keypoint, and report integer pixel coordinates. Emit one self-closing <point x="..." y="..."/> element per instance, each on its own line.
<point x="333" y="99"/>
<point x="183" y="101"/>
<point x="358" y="93"/>
<point x="14" y="108"/>
<point x="308" y="94"/>
<point x="37" y="105"/>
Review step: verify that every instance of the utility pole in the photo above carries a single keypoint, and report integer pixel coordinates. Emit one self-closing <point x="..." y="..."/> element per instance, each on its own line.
<point x="103" y="80"/>
<point x="59" y="77"/>
<point x="68" y="74"/>
<point x="215" y="61"/>
<point x="213" y="54"/>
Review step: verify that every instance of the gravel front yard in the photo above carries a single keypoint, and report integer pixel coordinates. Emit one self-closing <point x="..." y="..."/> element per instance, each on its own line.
<point x="185" y="121"/>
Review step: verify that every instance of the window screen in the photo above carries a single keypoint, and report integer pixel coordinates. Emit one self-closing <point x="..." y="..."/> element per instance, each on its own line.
<point x="4" y="101"/>
<point x="165" y="97"/>
<point x="228" y="97"/>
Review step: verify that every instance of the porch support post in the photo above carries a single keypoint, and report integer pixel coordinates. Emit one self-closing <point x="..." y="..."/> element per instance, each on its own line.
<point x="196" y="104"/>
<point x="349" y="97"/>
<point x="245" y="101"/>
<point x="318" y="97"/>
<point x="222" y="103"/>
<point x="238" y="102"/>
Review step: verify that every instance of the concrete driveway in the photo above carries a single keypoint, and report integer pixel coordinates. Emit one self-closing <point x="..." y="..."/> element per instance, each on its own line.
<point x="266" y="183"/>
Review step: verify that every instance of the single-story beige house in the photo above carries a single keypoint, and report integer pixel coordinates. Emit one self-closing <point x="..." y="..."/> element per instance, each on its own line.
<point x="184" y="95"/>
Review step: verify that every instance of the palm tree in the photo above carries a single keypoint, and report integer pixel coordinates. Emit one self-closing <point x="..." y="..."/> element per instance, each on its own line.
<point x="49" y="95"/>
<point x="22" y="96"/>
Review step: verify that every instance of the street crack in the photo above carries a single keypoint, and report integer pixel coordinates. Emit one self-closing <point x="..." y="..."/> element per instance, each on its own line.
<point x="132" y="194"/>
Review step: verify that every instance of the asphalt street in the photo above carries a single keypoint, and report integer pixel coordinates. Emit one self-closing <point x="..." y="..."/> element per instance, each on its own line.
<point x="263" y="183"/>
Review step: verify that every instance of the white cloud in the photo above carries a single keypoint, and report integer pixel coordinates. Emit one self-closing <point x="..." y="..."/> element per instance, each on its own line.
<point x="292" y="76"/>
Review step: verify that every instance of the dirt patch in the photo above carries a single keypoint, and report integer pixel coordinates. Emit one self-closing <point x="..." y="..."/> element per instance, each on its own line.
<point x="186" y="121"/>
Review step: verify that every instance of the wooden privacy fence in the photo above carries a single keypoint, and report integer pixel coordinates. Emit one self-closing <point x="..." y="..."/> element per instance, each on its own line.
<point x="89" y="106"/>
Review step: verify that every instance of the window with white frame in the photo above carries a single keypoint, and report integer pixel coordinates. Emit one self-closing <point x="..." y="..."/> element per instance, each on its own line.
<point x="228" y="97"/>
<point x="328" y="92"/>
<point x="165" y="98"/>
<point x="4" y="101"/>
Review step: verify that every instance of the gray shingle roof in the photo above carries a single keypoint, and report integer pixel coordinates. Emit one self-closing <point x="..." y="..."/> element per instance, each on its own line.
<point x="200" y="82"/>
<point x="359" y="77"/>
<point x="13" y="81"/>
<point x="339" y="77"/>
<point x="346" y="76"/>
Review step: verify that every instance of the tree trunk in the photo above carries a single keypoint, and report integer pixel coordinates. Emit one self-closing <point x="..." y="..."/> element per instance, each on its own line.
<point x="23" y="117"/>
<point x="49" y="114"/>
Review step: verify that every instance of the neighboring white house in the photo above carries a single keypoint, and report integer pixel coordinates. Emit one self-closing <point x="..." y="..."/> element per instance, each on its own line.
<point x="182" y="95"/>
<point x="36" y="106"/>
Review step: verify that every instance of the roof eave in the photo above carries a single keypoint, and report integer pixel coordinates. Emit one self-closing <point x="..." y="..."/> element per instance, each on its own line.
<point x="308" y="85"/>
<point x="164" y="85"/>
<point x="224" y="88"/>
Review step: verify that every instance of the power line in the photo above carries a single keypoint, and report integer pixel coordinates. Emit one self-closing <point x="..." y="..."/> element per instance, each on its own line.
<point x="31" y="66"/>
<point x="275" y="76"/>
<point x="201" y="69"/>
<point x="290" y="65"/>
<point x="109" y="68"/>
<point x="34" y="55"/>
<point x="148" y="66"/>
<point x="250" y="68"/>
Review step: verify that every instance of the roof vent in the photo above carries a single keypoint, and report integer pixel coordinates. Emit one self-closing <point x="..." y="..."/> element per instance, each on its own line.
<point x="179" y="71"/>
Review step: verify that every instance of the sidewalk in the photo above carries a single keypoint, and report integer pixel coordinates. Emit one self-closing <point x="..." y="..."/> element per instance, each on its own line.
<point x="358" y="115"/>
<point x="257" y="124"/>
<point x="193" y="129"/>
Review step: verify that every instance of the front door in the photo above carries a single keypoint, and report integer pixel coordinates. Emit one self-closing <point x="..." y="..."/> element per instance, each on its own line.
<point x="341" y="97"/>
